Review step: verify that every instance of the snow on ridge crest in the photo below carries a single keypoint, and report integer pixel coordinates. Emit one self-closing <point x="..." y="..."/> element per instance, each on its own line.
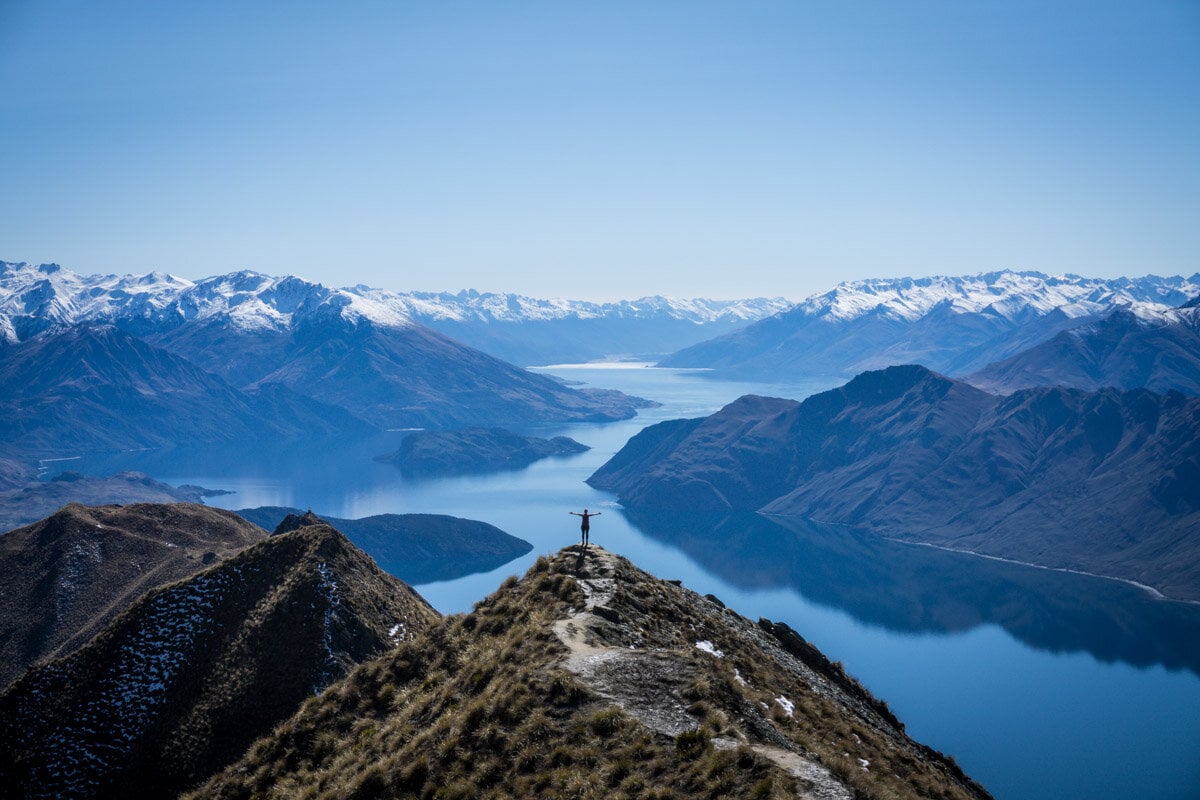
<point x="62" y="297"/>
<point x="1006" y="293"/>
<point x="470" y="305"/>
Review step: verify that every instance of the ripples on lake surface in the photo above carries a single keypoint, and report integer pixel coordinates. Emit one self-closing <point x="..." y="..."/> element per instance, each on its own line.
<point x="1041" y="684"/>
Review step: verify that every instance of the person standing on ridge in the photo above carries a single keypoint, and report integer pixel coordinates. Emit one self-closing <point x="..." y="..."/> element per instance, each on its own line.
<point x="583" y="525"/>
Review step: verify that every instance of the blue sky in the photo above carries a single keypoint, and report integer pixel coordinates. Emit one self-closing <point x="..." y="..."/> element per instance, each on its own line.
<point x="601" y="149"/>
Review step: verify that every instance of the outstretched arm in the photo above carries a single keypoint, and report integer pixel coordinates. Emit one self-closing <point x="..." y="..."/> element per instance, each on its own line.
<point x="576" y="513"/>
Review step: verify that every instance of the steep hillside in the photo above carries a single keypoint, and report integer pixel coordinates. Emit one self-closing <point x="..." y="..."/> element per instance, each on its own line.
<point x="955" y="325"/>
<point x="591" y="678"/>
<point x="416" y="548"/>
<point x="96" y="388"/>
<point x="411" y="376"/>
<point x="69" y="575"/>
<point x="180" y="683"/>
<point x="1159" y="352"/>
<point x="1103" y="483"/>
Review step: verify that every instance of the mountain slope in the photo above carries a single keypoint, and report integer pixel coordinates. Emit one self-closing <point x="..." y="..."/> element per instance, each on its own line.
<point x="1103" y="483"/>
<point x="95" y="387"/>
<point x="68" y="575"/>
<point x="414" y="377"/>
<point x="591" y="678"/>
<point x="180" y="683"/>
<point x="1159" y="352"/>
<point x="954" y="325"/>
<point x="360" y="353"/>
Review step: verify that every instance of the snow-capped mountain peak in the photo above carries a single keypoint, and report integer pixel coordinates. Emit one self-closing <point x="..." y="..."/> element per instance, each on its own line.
<point x="1006" y="294"/>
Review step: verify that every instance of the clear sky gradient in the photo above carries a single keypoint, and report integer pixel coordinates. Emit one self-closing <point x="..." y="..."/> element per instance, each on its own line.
<point x="601" y="149"/>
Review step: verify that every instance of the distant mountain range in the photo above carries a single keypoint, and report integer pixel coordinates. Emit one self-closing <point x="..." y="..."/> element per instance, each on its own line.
<point x="100" y="362"/>
<point x="1105" y="482"/>
<point x="954" y="325"/>
<point x="533" y="331"/>
<point x="1127" y="349"/>
<point x="522" y="330"/>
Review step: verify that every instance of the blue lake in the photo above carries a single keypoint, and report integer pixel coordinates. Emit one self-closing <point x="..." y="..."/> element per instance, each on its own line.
<point x="1041" y="684"/>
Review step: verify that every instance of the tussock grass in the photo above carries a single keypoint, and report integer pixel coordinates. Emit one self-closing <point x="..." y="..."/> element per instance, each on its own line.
<point x="481" y="706"/>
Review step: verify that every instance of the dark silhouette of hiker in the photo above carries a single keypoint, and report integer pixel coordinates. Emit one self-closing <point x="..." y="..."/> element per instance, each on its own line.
<point x="583" y="525"/>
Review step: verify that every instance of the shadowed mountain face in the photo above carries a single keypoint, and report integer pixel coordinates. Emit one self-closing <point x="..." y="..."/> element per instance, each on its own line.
<point x="474" y="450"/>
<point x="417" y="548"/>
<point x="1103" y="483"/>
<point x="913" y="589"/>
<point x="1123" y="350"/>
<point x="69" y="575"/>
<point x="413" y="377"/>
<point x="183" y="681"/>
<point x="104" y="363"/>
<point x="97" y="388"/>
<point x="589" y="677"/>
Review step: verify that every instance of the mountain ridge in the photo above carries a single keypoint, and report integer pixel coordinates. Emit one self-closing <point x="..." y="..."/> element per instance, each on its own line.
<point x="1100" y="482"/>
<point x="1125" y="349"/>
<point x="68" y="575"/>
<point x="588" y="677"/>
<point x="951" y="324"/>
<point x="183" y="680"/>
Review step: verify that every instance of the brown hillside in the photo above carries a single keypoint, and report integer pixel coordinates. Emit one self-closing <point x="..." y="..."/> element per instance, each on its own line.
<point x="182" y="682"/>
<point x="68" y="575"/>
<point x="592" y="679"/>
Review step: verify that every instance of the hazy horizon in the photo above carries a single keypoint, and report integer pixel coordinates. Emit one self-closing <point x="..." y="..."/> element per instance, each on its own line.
<point x="602" y="151"/>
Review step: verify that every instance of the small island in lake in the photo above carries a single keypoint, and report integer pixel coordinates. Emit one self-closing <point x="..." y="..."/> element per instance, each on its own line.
<point x="467" y="451"/>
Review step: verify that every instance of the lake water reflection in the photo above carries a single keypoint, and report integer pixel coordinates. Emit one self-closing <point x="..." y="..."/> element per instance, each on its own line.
<point x="1041" y="684"/>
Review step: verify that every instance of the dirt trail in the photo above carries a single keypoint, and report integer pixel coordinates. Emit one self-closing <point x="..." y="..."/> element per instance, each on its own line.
<point x="647" y="684"/>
